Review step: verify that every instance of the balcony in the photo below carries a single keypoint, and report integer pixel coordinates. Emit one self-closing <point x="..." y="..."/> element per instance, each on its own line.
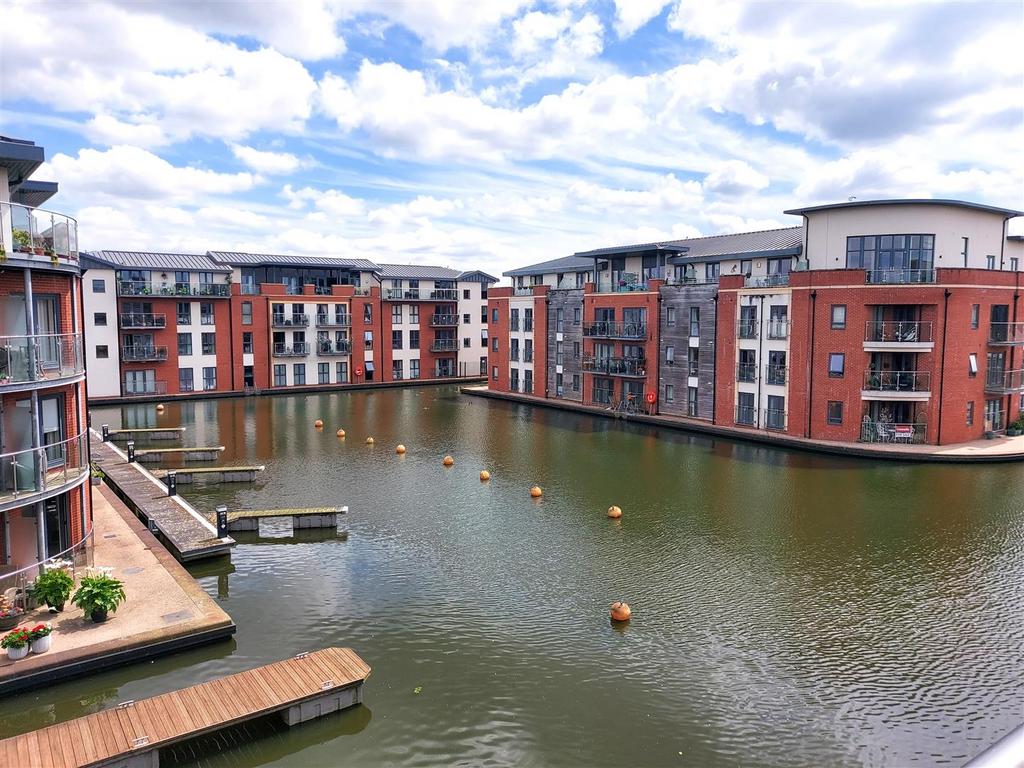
<point x="746" y="372"/>
<point x="747" y="329"/>
<point x="298" y="349"/>
<point x="896" y="385"/>
<point x="899" y="276"/>
<point x="778" y="330"/>
<point x="523" y="290"/>
<point x="621" y="286"/>
<point x="898" y="335"/>
<point x="36" y="473"/>
<point x="399" y="294"/>
<point x="146" y="288"/>
<point x="746" y="415"/>
<point x="56" y="356"/>
<point x="132" y="320"/>
<point x="766" y="281"/>
<point x="884" y="432"/>
<point x="611" y="330"/>
<point x="444" y="294"/>
<point x="1010" y="334"/>
<point x="631" y="367"/>
<point x="333" y="348"/>
<point x="776" y="375"/>
<point x="1003" y="382"/>
<point x="444" y="345"/>
<point x="290" y="321"/>
<point x="144" y="354"/>
<point x="39" y="235"/>
<point x="327" y="321"/>
<point x="143" y="388"/>
<point x="774" y="419"/>
<point x="443" y="321"/>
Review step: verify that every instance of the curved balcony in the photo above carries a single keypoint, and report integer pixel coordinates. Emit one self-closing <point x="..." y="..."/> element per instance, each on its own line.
<point x="32" y="362"/>
<point x="33" y="474"/>
<point x="1003" y="382"/>
<point x="1006" y="333"/>
<point x="898" y="335"/>
<point x="146" y="288"/>
<point x="38" y="234"/>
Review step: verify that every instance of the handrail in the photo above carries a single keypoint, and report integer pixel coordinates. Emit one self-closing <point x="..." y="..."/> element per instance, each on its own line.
<point x="898" y="331"/>
<point x="897" y="381"/>
<point x="13" y="472"/>
<point x="142" y="320"/>
<point x="60" y="351"/>
<point x="58" y="240"/>
<point x="899" y="276"/>
<point x="57" y="560"/>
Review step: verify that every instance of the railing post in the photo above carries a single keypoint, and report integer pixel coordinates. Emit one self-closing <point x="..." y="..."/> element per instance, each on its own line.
<point x="172" y="483"/>
<point x="222" y="521"/>
<point x="131" y="451"/>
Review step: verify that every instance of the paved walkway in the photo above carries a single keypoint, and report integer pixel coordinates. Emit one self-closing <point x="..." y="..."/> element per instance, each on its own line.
<point x="999" y="449"/>
<point x="165" y="608"/>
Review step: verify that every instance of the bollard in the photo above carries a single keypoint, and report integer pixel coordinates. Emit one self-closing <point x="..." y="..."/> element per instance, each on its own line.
<point x="153" y="527"/>
<point x="222" y="521"/>
<point x="131" y="451"/>
<point x="172" y="483"/>
<point x="106" y="433"/>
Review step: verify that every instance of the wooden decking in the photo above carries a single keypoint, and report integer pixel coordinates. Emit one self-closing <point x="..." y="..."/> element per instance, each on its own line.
<point x="148" y="433"/>
<point x="203" y="453"/>
<point x="132" y="729"/>
<point x="187" y="475"/>
<point x="308" y="517"/>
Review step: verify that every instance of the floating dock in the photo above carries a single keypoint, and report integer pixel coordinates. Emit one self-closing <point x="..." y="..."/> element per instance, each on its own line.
<point x="150" y="433"/>
<point x="132" y="734"/>
<point x="310" y="517"/>
<point x="156" y="455"/>
<point x="187" y="475"/>
<point x="189" y="534"/>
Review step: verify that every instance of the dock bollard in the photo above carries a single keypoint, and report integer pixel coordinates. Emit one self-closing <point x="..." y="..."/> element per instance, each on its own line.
<point x="222" y="521"/>
<point x="131" y="451"/>
<point x="106" y="433"/>
<point x="172" y="483"/>
<point x="154" y="528"/>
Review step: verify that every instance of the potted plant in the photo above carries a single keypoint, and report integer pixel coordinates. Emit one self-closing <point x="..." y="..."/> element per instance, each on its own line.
<point x="1016" y="429"/>
<point x="10" y="614"/>
<point x="40" y="638"/>
<point x="23" y="241"/>
<point x="53" y="587"/>
<point x="16" y="643"/>
<point x="98" y="595"/>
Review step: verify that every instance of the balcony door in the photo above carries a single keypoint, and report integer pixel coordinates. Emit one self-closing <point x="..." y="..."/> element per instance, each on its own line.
<point x="58" y="525"/>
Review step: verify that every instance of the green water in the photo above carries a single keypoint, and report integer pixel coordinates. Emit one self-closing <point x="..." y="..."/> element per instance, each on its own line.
<point x="789" y="609"/>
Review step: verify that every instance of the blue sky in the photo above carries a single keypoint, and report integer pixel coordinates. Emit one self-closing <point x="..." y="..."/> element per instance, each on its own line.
<point x="494" y="134"/>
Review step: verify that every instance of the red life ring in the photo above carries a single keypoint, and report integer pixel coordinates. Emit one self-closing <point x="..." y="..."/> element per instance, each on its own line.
<point x="359" y="370"/>
<point x="649" y="397"/>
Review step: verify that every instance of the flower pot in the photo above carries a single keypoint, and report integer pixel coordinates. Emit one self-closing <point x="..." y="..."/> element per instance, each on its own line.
<point x="17" y="653"/>
<point x="989" y="435"/>
<point x="41" y="644"/>
<point x="98" y="616"/>
<point x="58" y="608"/>
<point x="10" y="622"/>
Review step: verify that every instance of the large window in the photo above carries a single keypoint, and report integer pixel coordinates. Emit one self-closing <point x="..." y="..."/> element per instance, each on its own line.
<point x="396" y="339"/>
<point x="396" y="314"/>
<point x="184" y="313"/>
<point x="279" y="375"/>
<point x="209" y="378"/>
<point x="414" y="339"/>
<point x="206" y="313"/>
<point x="838" y="316"/>
<point x="341" y="371"/>
<point x="691" y="401"/>
<point x="185" y="381"/>
<point x="185" y="344"/>
<point x="209" y="344"/>
<point x="397" y="370"/>
<point x="414" y="369"/>
<point x="836" y="365"/>
<point x="694" y="321"/>
<point x="247" y="342"/>
<point x="323" y="373"/>
<point x="603" y="389"/>
<point x="299" y="373"/>
<point x="835" y="412"/>
<point x="246" y="313"/>
<point x="890" y="253"/>
<point x="746" y="413"/>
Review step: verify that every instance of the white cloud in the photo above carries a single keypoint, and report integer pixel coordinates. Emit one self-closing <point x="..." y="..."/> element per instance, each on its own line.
<point x="534" y="29"/>
<point x="266" y="162"/>
<point x="630" y="15"/>
<point x="734" y="177"/>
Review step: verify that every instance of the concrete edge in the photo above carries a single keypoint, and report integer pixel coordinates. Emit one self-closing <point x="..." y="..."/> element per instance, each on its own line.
<point x="797" y="444"/>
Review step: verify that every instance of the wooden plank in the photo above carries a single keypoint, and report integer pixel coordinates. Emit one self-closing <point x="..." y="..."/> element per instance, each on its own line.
<point x="85" y="734"/>
<point x="34" y="753"/>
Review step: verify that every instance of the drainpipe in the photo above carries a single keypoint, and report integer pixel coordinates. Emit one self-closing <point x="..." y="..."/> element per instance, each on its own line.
<point x="231" y="337"/>
<point x="810" y="368"/>
<point x="942" y="361"/>
<point x="1012" y="361"/>
<point x="36" y="416"/>
<point x="760" y="351"/>
<point x="714" y="360"/>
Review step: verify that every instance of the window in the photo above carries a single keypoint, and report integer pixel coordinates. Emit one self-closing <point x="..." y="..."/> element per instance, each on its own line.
<point x="838" y="317"/>
<point x="691" y="401"/>
<point x="603" y="391"/>
<point x="891" y="253"/>
<point x="181" y="280"/>
<point x="576" y="350"/>
<point x="694" y="321"/>
<point x="670" y="317"/>
<point x="712" y="272"/>
<point x="494" y="315"/>
<point x="575" y="382"/>
<point x="323" y="373"/>
<point x="835" y="412"/>
<point x="970" y="413"/>
<point x="494" y="373"/>
<point x="483" y="366"/>
<point x="494" y="344"/>
<point x="559" y="320"/>
<point x="1014" y="264"/>
<point x="396" y="339"/>
<point x="367" y="313"/>
<point x="206" y="313"/>
<point x="692" y="360"/>
<point x="414" y="314"/>
<point x="102" y="352"/>
<point x="247" y="342"/>
<point x="559" y="385"/>
<point x="246" y="313"/>
<point x="184" y="313"/>
<point x="185" y="343"/>
<point x="746" y="267"/>
<point x="670" y="393"/>
<point x="975" y="316"/>
<point x="341" y="371"/>
<point x="775" y="416"/>
<point x="186" y="382"/>
<point x="559" y="352"/>
<point x="972" y="364"/>
<point x="466" y="342"/>
<point x="483" y="315"/>
<point x="746" y="413"/>
<point x="397" y="370"/>
<point x="299" y="373"/>
<point x="279" y="376"/>
<point x="99" y="318"/>
<point x="396" y="314"/>
<point x="967" y="242"/>
<point x="209" y="344"/>
<point x="99" y="286"/>
<point x="414" y="339"/>
<point x="209" y="379"/>
<point x="670" y="354"/>
<point x="467" y="318"/>
<point x="465" y="294"/>
<point x="836" y="365"/>
<point x="576" y="315"/>
<point x="990" y="262"/>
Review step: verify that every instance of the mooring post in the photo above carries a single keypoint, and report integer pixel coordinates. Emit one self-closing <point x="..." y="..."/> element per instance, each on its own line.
<point x="106" y="433"/>
<point x="222" y="521"/>
<point x="172" y="483"/>
<point x="131" y="451"/>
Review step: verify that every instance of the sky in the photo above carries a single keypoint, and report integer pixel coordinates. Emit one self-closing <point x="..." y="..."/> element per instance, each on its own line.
<point x="490" y="134"/>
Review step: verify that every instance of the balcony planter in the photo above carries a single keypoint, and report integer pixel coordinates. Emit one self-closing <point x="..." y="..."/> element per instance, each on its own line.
<point x="1014" y="432"/>
<point x="990" y="435"/>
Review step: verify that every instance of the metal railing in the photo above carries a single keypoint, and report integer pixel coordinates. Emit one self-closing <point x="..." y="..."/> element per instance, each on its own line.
<point x="144" y="354"/>
<point x="298" y="349"/>
<point x="615" y="366"/>
<point x="526" y="290"/>
<point x="334" y="347"/>
<point x="143" y="388"/>
<point x="746" y="415"/>
<point x="898" y="331"/>
<point x="37" y="232"/>
<point x="327" y="321"/>
<point x="776" y="375"/>
<point x="444" y="294"/>
<point x="1006" y="333"/>
<point x="621" y="286"/>
<point x="77" y="557"/>
<point x="438" y="321"/>
<point x="142" y="320"/>
<point x="444" y="345"/>
<point x="774" y="419"/>
<point x="766" y="281"/>
<point x="778" y="329"/>
<point x="1004" y="382"/>
<point x="290" y="321"/>
<point x="37" y="470"/>
<point x="747" y="329"/>
<point x="897" y="381"/>
<point x="884" y="432"/>
<point x="412" y="294"/>
<point x="612" y="330"/>
<point x="899" y="276"/>
<point x="147" y="288"/>
<point x="746" y="372"/>
<point x="57" y="356"/>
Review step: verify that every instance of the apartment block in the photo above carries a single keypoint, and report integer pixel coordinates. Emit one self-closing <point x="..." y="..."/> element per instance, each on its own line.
<point x="878" y="321"/>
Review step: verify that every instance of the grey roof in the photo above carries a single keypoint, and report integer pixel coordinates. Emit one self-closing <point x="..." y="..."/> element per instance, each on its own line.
<point x="767" y="242"/>
<point x="564" y="264"/>
<point x="185" y="262"/>
<point x="664" y="245"/>
<point x="417" y="272"/>
<point x="236" y="258"/>
<point x="1008" y="212"/>
<point x="1015" y="237"/>
<point x="476" y="276"/>
<point x="33" y="193"/>
<point x="20" y="158"/>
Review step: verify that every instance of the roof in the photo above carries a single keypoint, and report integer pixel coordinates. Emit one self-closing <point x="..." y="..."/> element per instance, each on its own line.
<point x="190" y="262"/>
<point x="33" y="193"/>
<point x="236" y="258"/>
<point x="668" y="246"/>
<point x="416" y="272"/>
<point x="1008" y="212"/>
<point x="766" y="242"/>
<point x="20" y="158"/>
<point x="476" y="276"/>
<point x="564" y="264"/>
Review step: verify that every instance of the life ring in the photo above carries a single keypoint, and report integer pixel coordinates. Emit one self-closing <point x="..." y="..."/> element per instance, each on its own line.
<point x="649" y="397"/>
<point x="359" y="370"/>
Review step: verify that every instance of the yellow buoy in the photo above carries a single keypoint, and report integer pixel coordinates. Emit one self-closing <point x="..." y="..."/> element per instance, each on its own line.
<point x="621" y="611"/>
<point x="400" y="448"/>
<point x="614" y="512"/>
<point x="485" y="475"/>
<point x="448" y="461"/>
<point x="536" y="492"/>
<point x="369" y="441"/>
<point x="159" y="406"/>
<point x="340" y="433"/>
<point x="318" y="424"/>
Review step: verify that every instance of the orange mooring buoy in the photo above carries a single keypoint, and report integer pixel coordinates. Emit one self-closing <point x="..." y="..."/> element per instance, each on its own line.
<point x="340" y="433"/>
<point x="399" y="448"/>
<point x="159" y="407"/>
<point x="485" y="475"/>
<point x="318" y="424"/>
<point x="621" y="611"/>
<point x="369" y="441"/>
<point x="448" y="461"/>
<point x="614" y="512"/>
<point x="536" y="492"/>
